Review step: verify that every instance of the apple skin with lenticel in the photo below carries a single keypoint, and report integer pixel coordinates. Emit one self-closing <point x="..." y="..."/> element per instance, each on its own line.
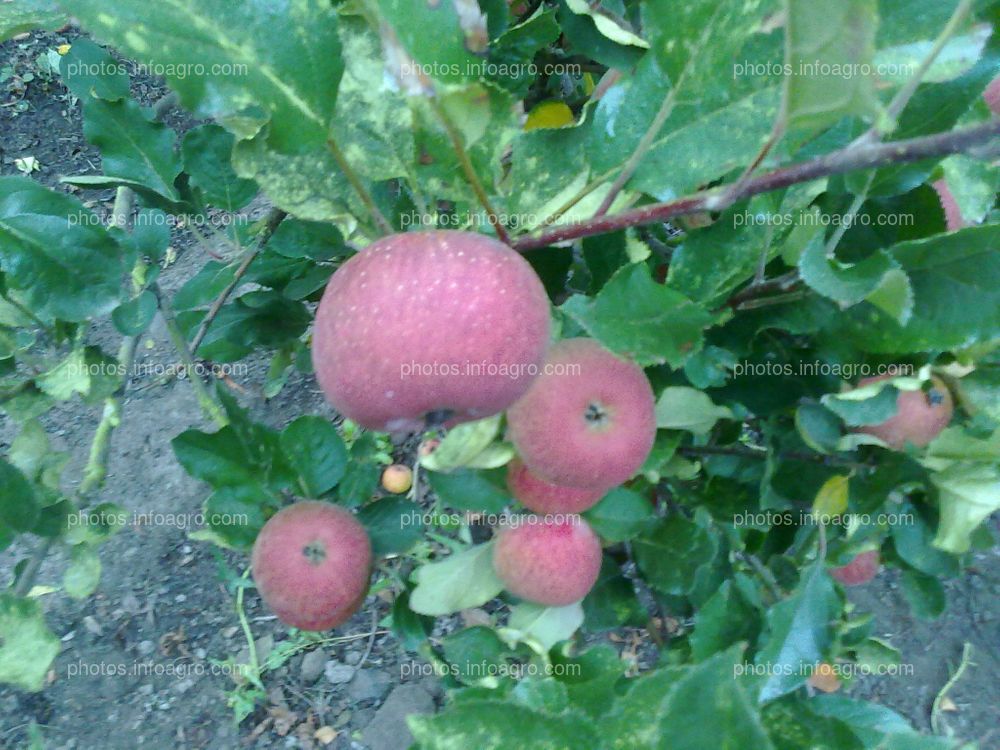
<point x="429" y="328"/>
<point x="312" y="562"/>
<point x="587" y="421"/>
<point x="535" y="494"/>
<point x="548" y="562"/>
<point x="920" y="416"/>
<point x="861" y="569"/>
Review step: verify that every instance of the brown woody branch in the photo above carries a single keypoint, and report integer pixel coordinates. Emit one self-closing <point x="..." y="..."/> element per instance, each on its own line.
<point x="850" y="159"/>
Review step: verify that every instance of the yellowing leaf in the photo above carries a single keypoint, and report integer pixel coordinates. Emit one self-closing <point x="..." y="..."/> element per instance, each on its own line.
<point x="549" y="115"/>
<point x="62" y="49"/>
<point x="831" y="500"/>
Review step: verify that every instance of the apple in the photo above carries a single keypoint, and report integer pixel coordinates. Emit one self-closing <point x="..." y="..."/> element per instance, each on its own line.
<point x="920" y="416"/>
<point x="311" y="563"/>
<point x="535" y="494"/>
<point x="548" y="562"/>
<point x="429" y="328"/>
<point x="861" y="569"/>
<point x="992" y="96"/>
<point x="952" y="213"/>
<point x="397" y="478"/>
<point x="587" y="421"/>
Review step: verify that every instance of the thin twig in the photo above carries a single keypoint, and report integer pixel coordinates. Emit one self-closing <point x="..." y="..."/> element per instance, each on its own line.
<point x="765" y="574"/>
<point x="696" y="451"/>
<point x="939" y="699"/>
<point x="274" y="218"/>
<point x="208" y="404"/>
<point x="849" y="159"/>
<point x="470" y="173"/>
<point x="384" y="227"/>
<point x="96" y="468"/>
<point x="903" y="96"/>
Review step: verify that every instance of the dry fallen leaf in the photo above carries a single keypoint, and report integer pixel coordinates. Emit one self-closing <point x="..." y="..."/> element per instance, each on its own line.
<point x="326" y="734"/>
<point x="825" y="678"/>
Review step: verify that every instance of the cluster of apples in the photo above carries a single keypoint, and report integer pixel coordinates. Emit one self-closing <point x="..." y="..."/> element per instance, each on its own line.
<point x="439" y="328"/>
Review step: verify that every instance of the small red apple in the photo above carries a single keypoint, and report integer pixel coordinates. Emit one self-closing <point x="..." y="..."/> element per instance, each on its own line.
<point x="534" y="493"/>
<point x="861" y="569"/>
<point x="311" y="563"/>
<point x="587" y="421"/>
<point x="992" y="96"/>
<point x="952" y="213"/>
<point x="546" y="562"/>
<point x="397" y="478"/>
<point x="429" y="328"/>
<point x="920" y="416"/>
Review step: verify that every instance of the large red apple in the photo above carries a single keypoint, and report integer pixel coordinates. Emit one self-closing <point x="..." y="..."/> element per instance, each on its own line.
<point x="311" y="563"/>
<point x="429" y="327"/>
<point x="534" y="493"/>
<point x="861" y="569"/>
<point x="920" y="416"/>
<point x="548" y="563"/>
<point x="587" y="421"/>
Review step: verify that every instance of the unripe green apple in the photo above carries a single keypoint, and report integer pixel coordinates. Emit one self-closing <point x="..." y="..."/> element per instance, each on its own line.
<point x="861" y="569"/>
<point x="547" y="561"/>
<point x="429" y="328"/>
<point x="920" y="416"/>
<point x="587" y="421"/>
<point x="534" y="493"/>
<point x="311" y="563"/>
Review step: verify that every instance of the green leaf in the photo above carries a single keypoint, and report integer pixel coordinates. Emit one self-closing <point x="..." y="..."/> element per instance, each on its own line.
<point x="394" y="525"/>
<point x="475" y="653"/>
<point x="372" y="123"/>
<point x="28" y="15"/>
<point x="18" y="504"/>
<point x="89" y="71"/>
<point x="27" y="646"/>
<point x="957" y="266"/>
<point x="243" y="64"/>
<point x="612" y="602"/>
<point x="620" y="515"/>
<point x="308" y="239"/>
<point x="498" y="725"/>
<point x="829" y="52"/>
<point x="725" y="619"/>
<point x="614" y="29"/>
<point x="874" y="409"/>
<point x="472" y="490"/>
<point x="460" y="581"/>
<point x="671" y="553"/>
<point x="83" y="572"/>
<point x="410" y="629"/>
<point x="133" y="317"/>
<point x="695" y="707"/>
<point x="316" y="451"/>
<point x="235" y="514"/>
<point x="448" y="55"/>
<point x="967" y="494"/>
<point x="207" y="152"/>
<point x="818" y="427"/>
<point x="585" y="39"/>
<point x="799" y="633"/>
<point x="640" y="319"/>
<point x="546" y="626"/>
<point x="132" y="146"/>
<point x="462" y="444"/>
<point x="924" y="593"/>
<point x="50" y="241"/>
<point x="878" y="278"/>
<point x="913" y="539"/>
<point x="683" y="408"/>
<point x="791" y="724"/>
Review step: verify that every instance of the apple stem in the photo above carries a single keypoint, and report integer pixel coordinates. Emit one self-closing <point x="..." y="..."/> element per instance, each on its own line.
<point x="859" y="156"/>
